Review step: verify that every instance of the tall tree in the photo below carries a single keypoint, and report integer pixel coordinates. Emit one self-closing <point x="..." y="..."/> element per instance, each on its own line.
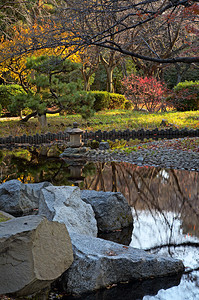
<point x="89" y="58"/>
<point x="23" y="12"/>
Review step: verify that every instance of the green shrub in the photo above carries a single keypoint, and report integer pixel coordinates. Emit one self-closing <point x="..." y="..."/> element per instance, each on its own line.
<point x="118" y="101"/>
<point x="105" y="100"/>
<point x="102" y="100"/>
<point x="185" y="96"/>
<point x="6" y="93"/>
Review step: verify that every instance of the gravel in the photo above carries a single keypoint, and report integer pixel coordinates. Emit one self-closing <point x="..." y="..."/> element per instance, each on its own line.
<point x="160" y="157"/>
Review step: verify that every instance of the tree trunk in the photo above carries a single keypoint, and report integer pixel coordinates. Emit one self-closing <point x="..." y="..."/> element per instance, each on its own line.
<point x="110" y="87"/>
<point x="20" y="115"/>
<point x="109" y="67"/>
<point x="42" y="120"/>
<point x="86" y="78"/>
<point x="86" y="84"/>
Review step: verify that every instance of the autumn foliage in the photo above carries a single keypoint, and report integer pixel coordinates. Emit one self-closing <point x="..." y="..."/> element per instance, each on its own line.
<point x="14" y="68"/>
<point x="144" y="92"/>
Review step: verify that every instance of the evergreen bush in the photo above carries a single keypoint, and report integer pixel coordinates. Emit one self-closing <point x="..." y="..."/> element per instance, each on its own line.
<point x="118" y="101"/>
<point x="7" y="92"/>
<point x="102" y="100"/>
<point x="106" y="100"/>
<point x="185" y="96"/>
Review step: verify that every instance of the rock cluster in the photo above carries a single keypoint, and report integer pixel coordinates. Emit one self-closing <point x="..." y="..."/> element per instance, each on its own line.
<point x="112" y="211"/>
<point x="64" y="204"/>
<point x="99" y="263"/>
<point x="37" y="249"/>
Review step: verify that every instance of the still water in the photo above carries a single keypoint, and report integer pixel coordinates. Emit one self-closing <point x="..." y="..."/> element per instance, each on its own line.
<point x="165" y="208"/>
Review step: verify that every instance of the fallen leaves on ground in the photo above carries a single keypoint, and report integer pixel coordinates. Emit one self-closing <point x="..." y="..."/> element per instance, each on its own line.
<point x="183" y="144"/>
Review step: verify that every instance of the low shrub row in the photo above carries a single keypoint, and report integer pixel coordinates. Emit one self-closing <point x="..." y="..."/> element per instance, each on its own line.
<point x="105" y="100"/>
<point x="183" y="97"/>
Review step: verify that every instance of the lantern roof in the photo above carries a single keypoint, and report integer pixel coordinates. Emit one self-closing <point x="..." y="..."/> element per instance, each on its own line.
<point x="74" y="130"/>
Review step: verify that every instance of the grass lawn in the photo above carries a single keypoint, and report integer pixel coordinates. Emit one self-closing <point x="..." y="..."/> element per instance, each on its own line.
<point x="104" y="120"/>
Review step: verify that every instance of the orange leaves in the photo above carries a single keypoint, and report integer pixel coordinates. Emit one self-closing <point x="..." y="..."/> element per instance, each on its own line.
<point x="139" y="13"/>
<point x="24" y="41"/>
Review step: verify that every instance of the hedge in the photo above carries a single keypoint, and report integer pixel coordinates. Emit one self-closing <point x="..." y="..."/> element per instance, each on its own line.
<point x="106" y="100"/>
<point x="185" y="96"/>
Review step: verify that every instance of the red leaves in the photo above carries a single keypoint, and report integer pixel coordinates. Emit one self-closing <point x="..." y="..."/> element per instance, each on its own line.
<point x="144" y="91"/>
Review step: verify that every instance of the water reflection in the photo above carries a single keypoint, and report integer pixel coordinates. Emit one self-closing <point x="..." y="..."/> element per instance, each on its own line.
<point x="165" y="207"/>
<point x="163" y="234"/>
<point x="153" y="190"/>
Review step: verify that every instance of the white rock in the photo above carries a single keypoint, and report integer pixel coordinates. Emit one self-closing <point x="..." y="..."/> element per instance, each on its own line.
<point x="64" y="204"/>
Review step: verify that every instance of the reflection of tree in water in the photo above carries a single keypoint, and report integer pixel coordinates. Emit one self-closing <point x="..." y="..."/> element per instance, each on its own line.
<point x="29" y="167"/>
<point x="153" y="189"/>
<point x="165" y="208"/>
<point x="146" y="188"/>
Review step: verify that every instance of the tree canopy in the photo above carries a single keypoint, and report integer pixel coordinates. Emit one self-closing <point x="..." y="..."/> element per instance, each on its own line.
<point x="52" y="85"/>
<point x="146" y="30"/>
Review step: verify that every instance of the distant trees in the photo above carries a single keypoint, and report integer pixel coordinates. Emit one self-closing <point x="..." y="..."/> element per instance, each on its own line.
<point x="136" y="28"/>
<point x="89" y="59"/>
<point x="153" y="33"/>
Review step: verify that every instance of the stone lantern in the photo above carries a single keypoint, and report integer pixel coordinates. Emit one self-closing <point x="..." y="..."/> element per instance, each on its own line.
<point x="75" y="136"/>
<point x="75" y="154"/>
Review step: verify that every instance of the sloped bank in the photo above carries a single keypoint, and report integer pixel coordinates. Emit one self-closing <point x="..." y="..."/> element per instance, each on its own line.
<point x="97" y="263"/>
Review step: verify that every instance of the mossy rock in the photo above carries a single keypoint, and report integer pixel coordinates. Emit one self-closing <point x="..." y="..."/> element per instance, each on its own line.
<point x="5" y="217"/>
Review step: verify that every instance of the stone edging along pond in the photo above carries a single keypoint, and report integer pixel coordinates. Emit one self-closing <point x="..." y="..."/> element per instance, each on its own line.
<point x="99" y="135"/>
<point x="163" y="158"/>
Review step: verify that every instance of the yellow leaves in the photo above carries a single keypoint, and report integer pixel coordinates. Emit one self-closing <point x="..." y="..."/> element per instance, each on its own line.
<point x="38" y="36"/>
<point x="26" y="179"/>
<point x="24" y="41"/>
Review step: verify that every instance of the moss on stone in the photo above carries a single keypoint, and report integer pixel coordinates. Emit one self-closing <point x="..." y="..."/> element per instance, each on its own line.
<point x="3" y="218"/>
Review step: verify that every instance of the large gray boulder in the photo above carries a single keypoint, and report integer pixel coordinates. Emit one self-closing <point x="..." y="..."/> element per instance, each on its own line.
<point x="99" y="263"/>
<point x="63" y="204"/>
<point x="18" y="198"/>
<point x="33" y="253"/>
<point x="112" y="211"/>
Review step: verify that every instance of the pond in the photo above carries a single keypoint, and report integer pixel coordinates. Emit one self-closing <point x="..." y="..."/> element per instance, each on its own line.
<point x="165" y="208"/>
